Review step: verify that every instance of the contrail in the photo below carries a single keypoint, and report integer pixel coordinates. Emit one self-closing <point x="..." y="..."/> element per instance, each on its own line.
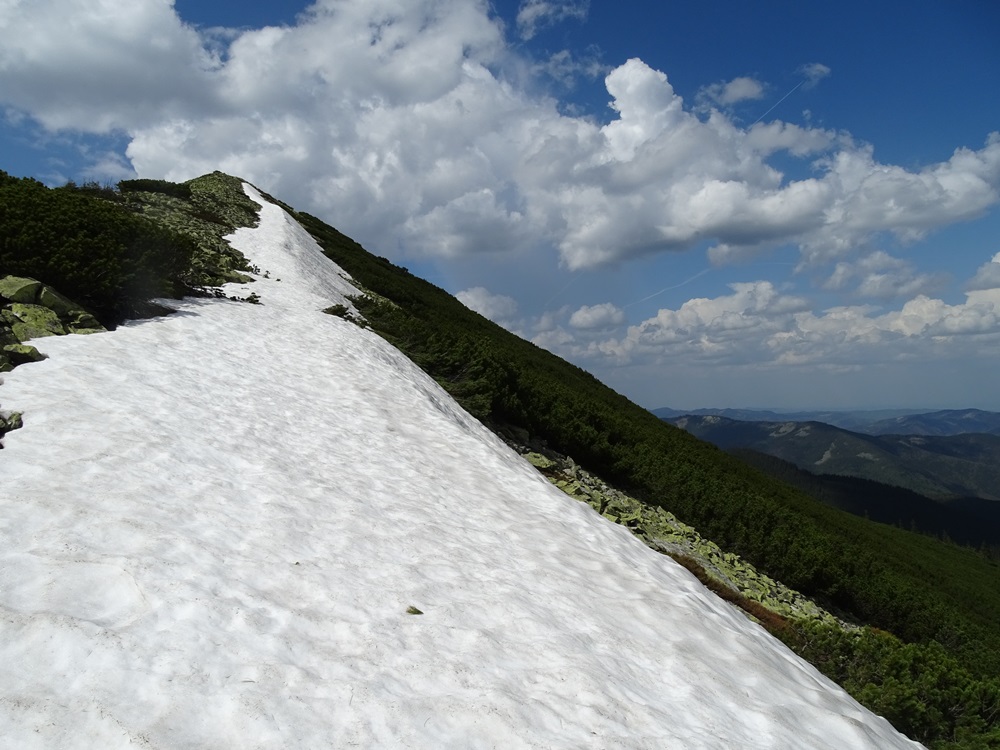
<point x="567" y="286"/>
<point x="777" y="103"/>
<point x="667" y="289"/>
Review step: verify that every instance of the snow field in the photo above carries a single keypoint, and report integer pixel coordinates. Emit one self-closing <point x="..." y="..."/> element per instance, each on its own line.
<point x="213" y="524"/>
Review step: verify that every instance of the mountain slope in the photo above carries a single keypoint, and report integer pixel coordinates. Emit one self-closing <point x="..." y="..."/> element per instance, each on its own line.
<point x="224" y="522"/>
<point x="968" y="521"/>
<point x="940" y="467"/>
<point x="873" y="576"/>
<point x="939" y="682"/>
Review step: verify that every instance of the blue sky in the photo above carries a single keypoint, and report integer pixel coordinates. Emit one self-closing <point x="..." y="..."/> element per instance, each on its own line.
<point x="706" y="204"/>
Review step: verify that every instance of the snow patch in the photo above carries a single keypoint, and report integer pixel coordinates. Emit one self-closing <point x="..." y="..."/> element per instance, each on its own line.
<point x="827" y="455"/>
<point x="783" y="429"/>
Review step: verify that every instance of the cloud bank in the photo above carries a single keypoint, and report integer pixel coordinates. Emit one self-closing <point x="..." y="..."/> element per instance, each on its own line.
<point x="758" y="323"/>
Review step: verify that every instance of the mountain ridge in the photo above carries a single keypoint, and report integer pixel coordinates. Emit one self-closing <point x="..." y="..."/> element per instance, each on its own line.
<point x="514" y="386"/>
<point x="939" y="422"/>
<point x="939" y="467"/>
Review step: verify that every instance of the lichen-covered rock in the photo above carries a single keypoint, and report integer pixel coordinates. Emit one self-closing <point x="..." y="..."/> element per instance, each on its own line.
<point x="10" y="421"/>
<point x="24" y="291"/>
<point x="19" y="289"/>
<point x="662" y="531"/>
<point x="57" y="303"/>
<point x="539" y="461"/>
<point x="34" y="321"/>
<point x="21" y="354"/>
<point x="6" y="333"/>
<point x="32" y="310"/>
<point x="80" y="321"/>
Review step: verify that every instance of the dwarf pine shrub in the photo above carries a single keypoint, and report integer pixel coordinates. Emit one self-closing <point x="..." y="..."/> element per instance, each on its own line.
<point x="106" y="257"/>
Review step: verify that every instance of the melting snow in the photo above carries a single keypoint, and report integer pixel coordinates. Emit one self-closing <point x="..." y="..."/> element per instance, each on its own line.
<point x="214" y="523"/>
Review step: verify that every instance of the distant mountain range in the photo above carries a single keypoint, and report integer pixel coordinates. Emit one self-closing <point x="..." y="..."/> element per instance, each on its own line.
<point x="939" y="467"/>
<point x="874" y="422"/>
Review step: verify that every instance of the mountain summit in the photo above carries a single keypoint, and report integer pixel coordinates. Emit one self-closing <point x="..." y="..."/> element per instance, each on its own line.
<point x="257" y="525"/>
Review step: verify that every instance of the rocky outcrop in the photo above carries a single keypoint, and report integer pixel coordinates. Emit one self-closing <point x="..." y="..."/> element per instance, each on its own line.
<point x="662" y="531"/>
<point x="30" y="310"/>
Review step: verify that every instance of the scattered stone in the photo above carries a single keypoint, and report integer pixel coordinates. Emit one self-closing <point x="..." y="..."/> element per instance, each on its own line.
<point x="539" y="461"/>
<point x="57" y="303"/>
<point x="10" y="421"/>
<point x="6" y="334"/>
<point x="80" y="321"/>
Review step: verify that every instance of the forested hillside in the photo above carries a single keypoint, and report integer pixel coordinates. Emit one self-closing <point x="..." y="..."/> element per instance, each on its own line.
<point x="930" y="656"/>
<point x="970" y="521"/>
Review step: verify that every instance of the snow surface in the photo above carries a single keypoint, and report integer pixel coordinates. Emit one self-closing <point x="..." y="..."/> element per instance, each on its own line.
<point x="213" y="525"/>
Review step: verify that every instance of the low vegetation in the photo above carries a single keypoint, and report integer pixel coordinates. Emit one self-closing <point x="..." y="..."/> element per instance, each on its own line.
<point x="114" y="250"/>
<point x="109" y="259"/>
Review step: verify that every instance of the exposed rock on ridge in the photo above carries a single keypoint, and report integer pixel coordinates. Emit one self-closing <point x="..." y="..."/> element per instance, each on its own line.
<point x="662" y="531"/>
<point x="29" y="310"/>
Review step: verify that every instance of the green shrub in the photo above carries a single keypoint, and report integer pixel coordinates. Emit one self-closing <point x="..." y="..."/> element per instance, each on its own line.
<point x="176" y="189"/>
<point x="109" y="259"/>
<point x="924" y="691"/>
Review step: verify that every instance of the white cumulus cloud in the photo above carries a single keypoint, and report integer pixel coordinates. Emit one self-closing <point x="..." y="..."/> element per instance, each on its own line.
<point x="97" y="65"/>
<point x="737" y="90"/>
<point x="759" y="326"/>
<point x="879" y="275"/>
<point x="988" y="275"/>
<point x="814" y="73"/>
<point x="590" y="317"/>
